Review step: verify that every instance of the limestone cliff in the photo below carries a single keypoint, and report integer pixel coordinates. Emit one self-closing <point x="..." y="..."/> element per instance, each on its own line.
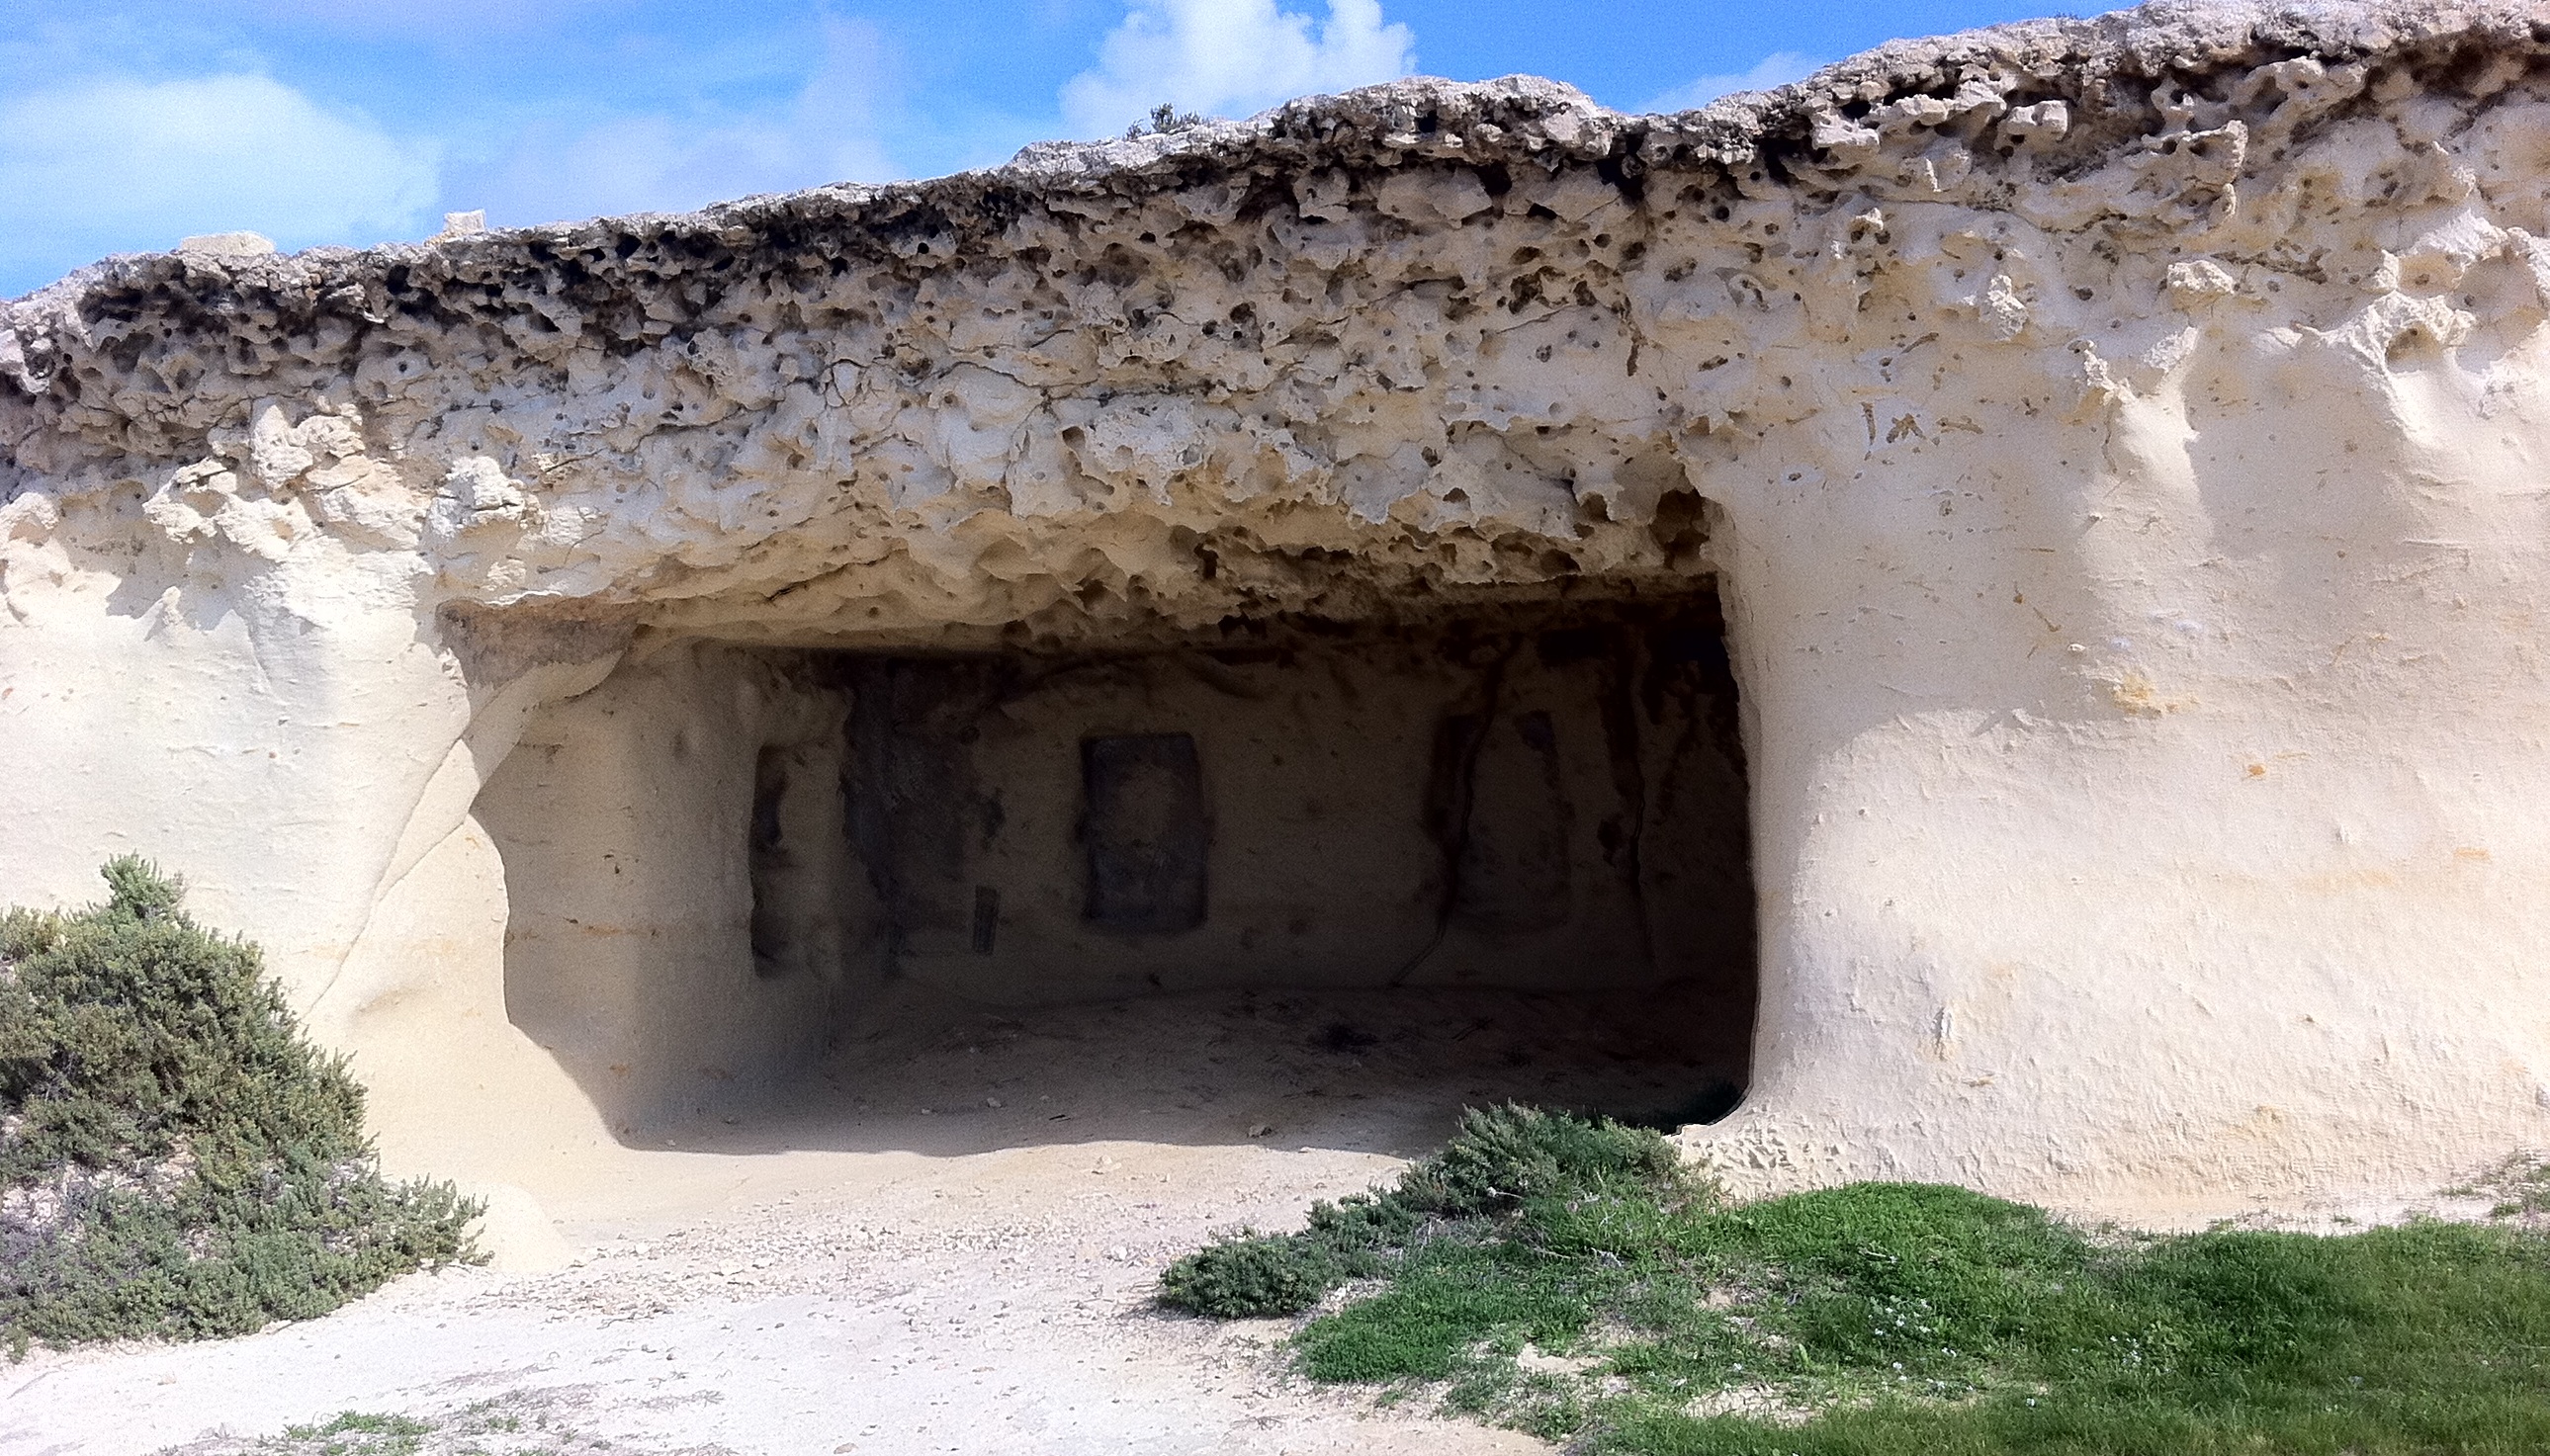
<point x="2118" y="440"/>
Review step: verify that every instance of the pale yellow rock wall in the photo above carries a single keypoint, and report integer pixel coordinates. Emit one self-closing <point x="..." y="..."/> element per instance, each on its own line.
<point x="622" y="822"/>
<point x="274" y="756"/>
<point x="2171" y="818"/>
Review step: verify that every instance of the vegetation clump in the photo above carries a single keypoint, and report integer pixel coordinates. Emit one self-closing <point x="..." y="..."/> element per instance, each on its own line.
<point x="176" y="1159"/>
<point x="1501" y="1160"/>
<point x="1163" y="119"/>
<point x="2517" y="1188"/>
<point x="1566" y="1278"/>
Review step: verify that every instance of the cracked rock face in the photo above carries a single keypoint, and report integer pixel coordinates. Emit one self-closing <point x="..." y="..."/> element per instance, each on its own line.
<point x="2115" y="439"/>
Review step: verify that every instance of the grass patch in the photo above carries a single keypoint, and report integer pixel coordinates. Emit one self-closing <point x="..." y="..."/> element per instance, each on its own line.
<point x="358" y="1433"/>
<point x="525" y="1423"/>
<point x="176" y="1159"/>
<point x="1567" y="1277"/>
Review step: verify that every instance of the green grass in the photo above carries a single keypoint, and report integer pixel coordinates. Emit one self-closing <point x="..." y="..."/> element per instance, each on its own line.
<point x="176" y="1159"/>
<point x="1601" y="1298"/>
<point x="358" y="1433"/>
<point x="525" y="1422"/>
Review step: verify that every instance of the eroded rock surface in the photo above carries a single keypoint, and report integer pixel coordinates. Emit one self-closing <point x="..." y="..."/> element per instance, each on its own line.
<point x="1458" y="336"/>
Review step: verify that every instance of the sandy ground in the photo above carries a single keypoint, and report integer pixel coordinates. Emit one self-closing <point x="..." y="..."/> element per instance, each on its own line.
<point x="963" y="1265"/>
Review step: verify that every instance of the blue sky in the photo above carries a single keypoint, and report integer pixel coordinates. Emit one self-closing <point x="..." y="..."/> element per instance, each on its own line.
<point x="126" y="127"/>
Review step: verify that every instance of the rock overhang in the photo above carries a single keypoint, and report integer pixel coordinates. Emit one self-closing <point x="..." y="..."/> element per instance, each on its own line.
<point x="1103" y="376"/>
<point x="1512" y="120"/>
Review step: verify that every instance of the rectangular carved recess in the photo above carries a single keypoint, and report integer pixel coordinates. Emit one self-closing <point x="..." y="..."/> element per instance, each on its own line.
<point x="1147" y="833"/>
<point x="767" y="860"/>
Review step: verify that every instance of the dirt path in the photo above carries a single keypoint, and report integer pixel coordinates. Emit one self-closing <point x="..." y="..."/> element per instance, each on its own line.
<point x="943" y="1245"/>
<point x="952" y="1315"/>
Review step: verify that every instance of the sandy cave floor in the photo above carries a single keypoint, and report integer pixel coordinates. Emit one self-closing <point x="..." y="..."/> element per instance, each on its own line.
<point x="961" y="1263"/>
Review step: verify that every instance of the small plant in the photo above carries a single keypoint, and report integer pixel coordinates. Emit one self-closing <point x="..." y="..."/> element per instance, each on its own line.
<point x="2518" y="1188"/>
<point x="1163" y="119"/>
<point x="176" y="1159"/>
<point x="357" y="1433"/>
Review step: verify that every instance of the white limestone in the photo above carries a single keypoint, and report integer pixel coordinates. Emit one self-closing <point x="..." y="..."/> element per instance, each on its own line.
<point x="2121" y="451"/>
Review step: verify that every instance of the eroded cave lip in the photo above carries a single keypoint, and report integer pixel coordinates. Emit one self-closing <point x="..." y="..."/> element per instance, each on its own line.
<point x="1504" y="122"/>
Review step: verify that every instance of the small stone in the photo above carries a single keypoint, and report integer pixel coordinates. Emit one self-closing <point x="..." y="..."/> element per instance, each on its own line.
<point x="2193" y="282"/>
<point x="229" y="245"/>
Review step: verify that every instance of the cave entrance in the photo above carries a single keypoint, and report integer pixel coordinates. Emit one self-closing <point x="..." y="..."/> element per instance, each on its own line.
<point x="1502" y="849"/>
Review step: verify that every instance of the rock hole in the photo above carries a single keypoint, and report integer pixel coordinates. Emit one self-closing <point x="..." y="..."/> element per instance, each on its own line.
<point x="1505" y="840"/>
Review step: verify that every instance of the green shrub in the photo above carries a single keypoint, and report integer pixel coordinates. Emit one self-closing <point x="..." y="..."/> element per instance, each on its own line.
<point x="1498" y="1161"/>
<point x="176" y="1159"/>
<point x="1249" y="1276"/>
<point x="1502" y="1157"/>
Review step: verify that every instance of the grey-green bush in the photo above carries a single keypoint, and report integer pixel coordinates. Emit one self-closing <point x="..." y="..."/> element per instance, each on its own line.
<point x="1499" y="1160"/>
<point x="177" y="1158"/>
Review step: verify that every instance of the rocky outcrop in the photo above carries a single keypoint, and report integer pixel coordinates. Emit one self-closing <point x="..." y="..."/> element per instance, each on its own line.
<point x="2116" y="441"/>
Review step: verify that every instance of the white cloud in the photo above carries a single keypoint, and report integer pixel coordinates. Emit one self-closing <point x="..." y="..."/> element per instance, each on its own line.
<point x="96" y="165"/>
<point x="1230" y="57"/>
<point x="826" y="132"/>
<point x="1776" y="69"/>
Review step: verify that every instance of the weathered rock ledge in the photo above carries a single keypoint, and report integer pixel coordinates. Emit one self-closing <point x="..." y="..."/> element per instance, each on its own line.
<point x="1162" y="351"/>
